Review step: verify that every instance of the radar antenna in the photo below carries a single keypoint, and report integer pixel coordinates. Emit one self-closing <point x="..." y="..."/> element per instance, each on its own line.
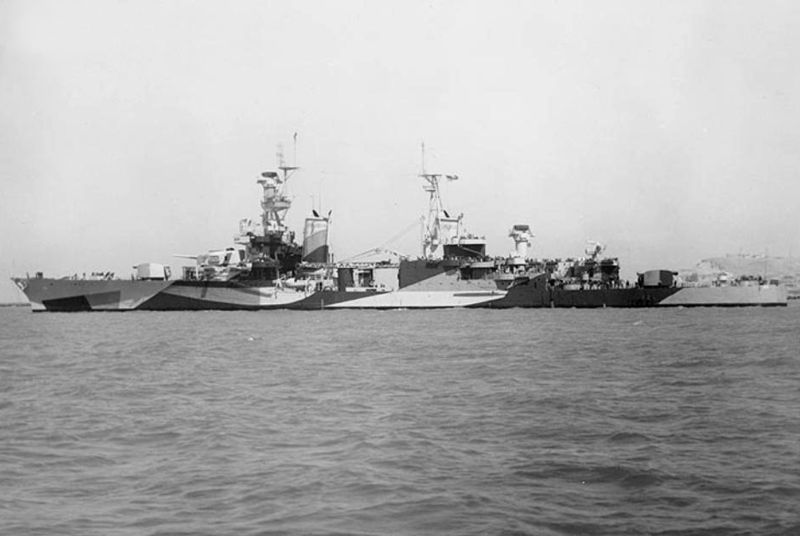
<point x="594" y="249"/>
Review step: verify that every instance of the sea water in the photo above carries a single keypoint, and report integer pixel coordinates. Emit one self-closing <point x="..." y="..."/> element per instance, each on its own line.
<point x="675" y="421"/>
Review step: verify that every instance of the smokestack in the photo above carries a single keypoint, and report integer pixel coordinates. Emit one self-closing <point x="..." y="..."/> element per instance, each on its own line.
<point x="315" y="240"/>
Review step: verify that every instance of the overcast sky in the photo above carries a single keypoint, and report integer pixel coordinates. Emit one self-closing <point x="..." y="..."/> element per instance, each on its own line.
<point x="133" y="130"/>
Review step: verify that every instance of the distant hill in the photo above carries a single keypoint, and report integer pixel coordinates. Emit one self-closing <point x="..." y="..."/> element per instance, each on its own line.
<point x="739" y="265"/>
<point x="784" y="269"/>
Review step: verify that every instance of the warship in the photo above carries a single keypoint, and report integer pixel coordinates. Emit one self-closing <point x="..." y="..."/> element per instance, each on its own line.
<point x="265" y="268"/>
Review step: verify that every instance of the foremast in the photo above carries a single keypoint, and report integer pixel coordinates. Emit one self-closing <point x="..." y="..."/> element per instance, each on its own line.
<point x="275" y="203"/>
<point x="271" y="250"/>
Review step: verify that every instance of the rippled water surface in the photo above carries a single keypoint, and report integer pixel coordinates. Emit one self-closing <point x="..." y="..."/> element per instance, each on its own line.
<point x="679" y="421"/>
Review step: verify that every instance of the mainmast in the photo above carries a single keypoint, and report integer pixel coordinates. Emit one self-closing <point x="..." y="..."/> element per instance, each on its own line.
<point x="439" y="227"/>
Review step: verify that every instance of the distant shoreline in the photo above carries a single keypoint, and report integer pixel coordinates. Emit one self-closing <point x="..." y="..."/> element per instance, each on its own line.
<point x="16" y="304"/>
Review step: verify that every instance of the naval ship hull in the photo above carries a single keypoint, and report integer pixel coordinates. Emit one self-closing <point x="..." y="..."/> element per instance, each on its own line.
<point x="536" y="293"/>
<point x="68" y="295"/>
<point x="423" y="284"/>
<point x="75" y="295"/>
<point x="397" y="299"/>
<point x="72" y="295"/>
<point x="519" y="297"/>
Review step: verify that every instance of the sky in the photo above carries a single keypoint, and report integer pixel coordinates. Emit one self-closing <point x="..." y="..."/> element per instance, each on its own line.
<point x="134" y="130"/>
